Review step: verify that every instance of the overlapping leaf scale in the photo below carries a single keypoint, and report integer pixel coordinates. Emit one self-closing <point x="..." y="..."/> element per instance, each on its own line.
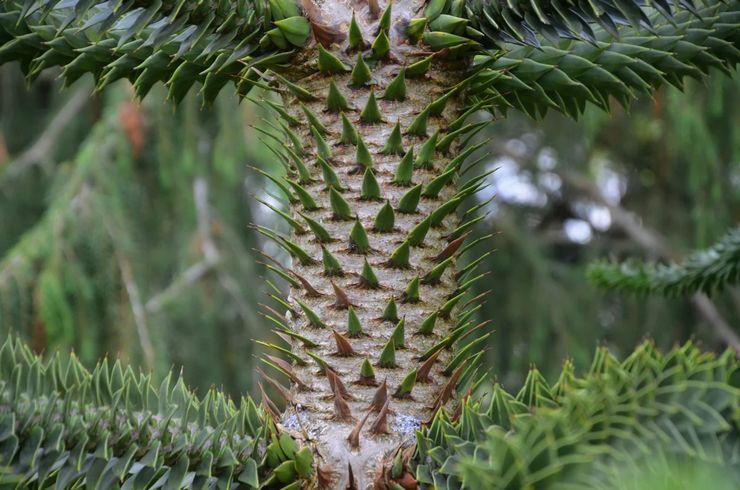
<point x="567" y="76"/>
<point x="704" y="271"/>
<point x="527" y="21"/>
<point x="64" y="426"/>
<point x="580" y="432"/>
<point x="178" y="42"/>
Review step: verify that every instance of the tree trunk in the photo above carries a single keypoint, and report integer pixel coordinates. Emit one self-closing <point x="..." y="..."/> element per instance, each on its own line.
<point x="353" y="128"/>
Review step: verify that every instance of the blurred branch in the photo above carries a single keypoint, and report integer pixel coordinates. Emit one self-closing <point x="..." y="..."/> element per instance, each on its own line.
<point x="42" y="147"/>
<point x="648" y="239"/>
<point x="651" y="241"/>
<point x="212" y="259"/>
<point x="137" y="308"/>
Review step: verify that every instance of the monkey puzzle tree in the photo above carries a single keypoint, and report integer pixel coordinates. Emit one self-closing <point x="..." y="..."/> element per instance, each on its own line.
<point x="377" y="336"/>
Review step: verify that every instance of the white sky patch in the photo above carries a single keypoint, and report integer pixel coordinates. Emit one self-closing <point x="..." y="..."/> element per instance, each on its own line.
<point x="611" y="184"/>
<point x="511" y="185"/>
<point x="577" y="230"/>
<point x="600" y="217"/>
<point x="546" y="159"/>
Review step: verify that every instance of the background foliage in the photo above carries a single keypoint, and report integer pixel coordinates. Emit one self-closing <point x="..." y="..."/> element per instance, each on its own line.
<point x="125" y="227"/>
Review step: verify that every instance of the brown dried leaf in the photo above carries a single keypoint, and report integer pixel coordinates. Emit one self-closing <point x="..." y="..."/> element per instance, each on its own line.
<point x="380" y="397"/>
<point x="354" y="436"/>
<point x="380" y="426"/>
<point x="451" y="248"/>
<point x="344" y="348"/>
<point x="342" y="300"/>
<point x="422" y="375"/>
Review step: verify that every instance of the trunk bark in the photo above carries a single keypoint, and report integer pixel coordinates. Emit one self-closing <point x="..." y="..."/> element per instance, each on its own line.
<point x="342" y="414"/>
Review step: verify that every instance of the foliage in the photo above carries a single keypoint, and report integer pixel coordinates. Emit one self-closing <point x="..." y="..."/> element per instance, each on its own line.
<point x="173" y="41"/>
<point x="707" y="271"/>
<point x="65" y="426"/>
<point x="591" y="431"/>
<point x="131" y="197"/>
<point x="397" y="208"/>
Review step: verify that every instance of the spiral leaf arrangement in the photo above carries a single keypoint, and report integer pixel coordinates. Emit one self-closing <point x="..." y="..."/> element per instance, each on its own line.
<point x="378" y="335"/>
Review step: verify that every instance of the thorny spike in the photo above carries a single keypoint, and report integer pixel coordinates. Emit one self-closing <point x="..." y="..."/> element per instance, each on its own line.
<point x="314" y="121"/>
<point x="439" y="214"/>
<point x="418" y="126"/>
<point x="380" y="397"/>
<point x="300" y="93"/>
<point x="415" y="29"/>
<point x="331" y="179"/>
<point x="342" y="301"/>
<point x="341" y="409"/>
<point x="344" y="348"/>
<point x="396" y="90"/>
<point x="405" y="169"/>
<point x="339" y="206"/>
<point x="434" y="276"/>
<point x="450" y="249"/>
<point x="371" y="113"/>
<point x="358" y="239"/>
<point x="332" y="267"/>
<point x="324" y="366"/>
<point x="297" y="227"/>
<point x="349" y="133"/>
<point x="423" y="374"/>
<point x="388" y="355"/>
<point x="394" y="145"/>
<point x="419" y="68"/>
<point x="284" y="394"/>
<point x="335" y="101"/>
<point x="419" y="232"/>
<point x="284" y="351"/>
<point x="400" y="257"/>
<point x="386" y="219"/>
<point x="385" y="20"/>
<point x="329" y="63"/>
<point x="368" y="279"/>
<point x="426" y="152"/>
<point x="427" y="326"/>
<point x="367" y="374"/>
<point x="399" y="334"/>
<point x="361" y="74"/>
<point x="354" y="327"/>
<point x="322" y="236"/>
<point x="267" y="403"/>
<point x="303" y="196"/>
<point x="410" y="200"/>
<point x="370" y="188"/>
<point x="362" y="156"/>
<point x="407" y="384"/>
<point x="354" y="437"/>
<point x="335" y="382"/>
<point x="313" y="319"/>
<point x="322" y="146"/>
<point x="355" y="35"/>
<point x="411" y="294"/>
<point x="381" y="45"/>
<point x="434" y="187"/>
<point x="390" y="313"/>
<point x="380" y="425"/>
<point x="284" y="367"/>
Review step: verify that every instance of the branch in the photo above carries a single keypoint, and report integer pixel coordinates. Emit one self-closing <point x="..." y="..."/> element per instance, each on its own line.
<point x="41" y="149"/>
<point x="654" y="243"/>
<point x="137" y="308"/>
<point x="702" y="271"/>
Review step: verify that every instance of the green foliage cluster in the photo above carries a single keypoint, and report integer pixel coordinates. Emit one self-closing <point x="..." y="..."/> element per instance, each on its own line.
<point x="178" y="42"/>
<point x="64" y="426"/>
<point x="707" y="271"/>
<point x="565" y="76"/>
<point x="594" y="431"/>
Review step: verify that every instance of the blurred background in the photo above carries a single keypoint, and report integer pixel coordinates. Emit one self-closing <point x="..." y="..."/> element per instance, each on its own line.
<point x="125" y="226"/>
